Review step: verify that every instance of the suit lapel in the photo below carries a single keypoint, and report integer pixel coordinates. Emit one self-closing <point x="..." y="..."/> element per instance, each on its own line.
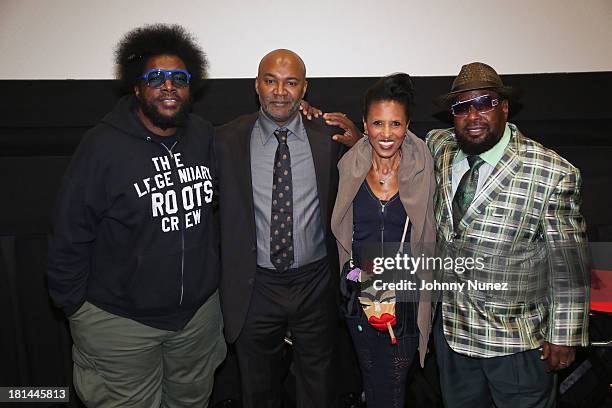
<point x="446" y="187"/>
<point x="243" y="163"/>
<point x="498" y="181"/>
<point x="320" y="146"/>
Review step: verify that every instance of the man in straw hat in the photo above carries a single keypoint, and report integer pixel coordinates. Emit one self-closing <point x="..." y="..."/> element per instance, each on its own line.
<point x="497" y="187"/>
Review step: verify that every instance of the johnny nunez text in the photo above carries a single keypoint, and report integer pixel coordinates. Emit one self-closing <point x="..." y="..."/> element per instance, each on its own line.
<point x="404" y="284"/>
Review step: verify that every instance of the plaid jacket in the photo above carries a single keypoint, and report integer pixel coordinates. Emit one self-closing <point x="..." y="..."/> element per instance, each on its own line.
<point x="531" y="198"/>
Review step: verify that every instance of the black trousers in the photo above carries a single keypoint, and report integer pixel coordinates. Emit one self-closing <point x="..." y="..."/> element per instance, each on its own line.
<point x="515" y="381"/>
<point x="303" y="301"/>
<point x="385" y="368"/>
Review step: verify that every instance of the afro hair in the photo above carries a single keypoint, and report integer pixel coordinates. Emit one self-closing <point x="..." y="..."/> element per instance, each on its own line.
<point x="138" y="45"/>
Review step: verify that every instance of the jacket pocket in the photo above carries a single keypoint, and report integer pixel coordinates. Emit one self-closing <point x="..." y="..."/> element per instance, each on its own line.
<point x="518" y="309"/>
<point x="156" y="283"/>
<point x="505" y="309"/>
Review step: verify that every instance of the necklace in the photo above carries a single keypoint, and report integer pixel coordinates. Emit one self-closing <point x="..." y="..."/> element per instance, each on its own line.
<point x="383" y="179"/>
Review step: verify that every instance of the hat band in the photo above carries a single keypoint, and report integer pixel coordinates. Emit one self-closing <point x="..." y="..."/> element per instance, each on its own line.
<point x="476" y="85"/>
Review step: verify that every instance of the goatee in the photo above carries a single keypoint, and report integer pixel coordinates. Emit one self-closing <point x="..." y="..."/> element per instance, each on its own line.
<point x="470" y="148"/>
<point x="162" y="121"/>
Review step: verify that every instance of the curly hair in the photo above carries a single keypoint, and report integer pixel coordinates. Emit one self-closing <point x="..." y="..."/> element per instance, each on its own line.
<point x="138" y="45"/>
<point x="395" y="87"/>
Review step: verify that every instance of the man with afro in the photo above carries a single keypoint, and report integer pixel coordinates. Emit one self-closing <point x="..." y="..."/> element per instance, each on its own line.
<point x="133" y="261"/>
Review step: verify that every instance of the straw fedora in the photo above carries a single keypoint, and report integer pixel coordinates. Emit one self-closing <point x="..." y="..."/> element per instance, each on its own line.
<point x="475" y="76"/>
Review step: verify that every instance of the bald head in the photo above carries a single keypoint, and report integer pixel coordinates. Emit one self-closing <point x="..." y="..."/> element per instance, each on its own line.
<point x="281" y="85"/>
<point x="281" y="57"/>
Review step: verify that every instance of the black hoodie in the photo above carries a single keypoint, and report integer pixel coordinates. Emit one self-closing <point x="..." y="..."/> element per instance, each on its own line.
<point x="134" y="231"/>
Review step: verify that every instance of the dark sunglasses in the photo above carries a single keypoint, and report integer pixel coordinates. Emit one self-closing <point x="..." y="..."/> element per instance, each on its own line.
<point x="157" y="77"/>
<point x="482" y="104"/>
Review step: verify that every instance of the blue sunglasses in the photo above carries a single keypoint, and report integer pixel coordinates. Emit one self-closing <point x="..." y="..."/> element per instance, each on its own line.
<point x="157" y="77"/>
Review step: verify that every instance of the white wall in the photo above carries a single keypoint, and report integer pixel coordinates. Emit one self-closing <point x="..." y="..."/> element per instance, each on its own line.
<point x="59" y="39"/>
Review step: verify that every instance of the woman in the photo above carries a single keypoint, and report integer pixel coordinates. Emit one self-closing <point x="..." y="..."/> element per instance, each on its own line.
<point x="385" y="193"/>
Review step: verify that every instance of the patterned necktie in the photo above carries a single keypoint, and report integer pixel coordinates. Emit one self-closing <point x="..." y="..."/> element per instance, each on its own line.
<point x="466" y="191"/>
<point x="281" y="220"/>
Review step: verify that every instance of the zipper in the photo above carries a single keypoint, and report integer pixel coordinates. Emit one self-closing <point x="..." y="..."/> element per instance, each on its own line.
<point x="182" y="229"/>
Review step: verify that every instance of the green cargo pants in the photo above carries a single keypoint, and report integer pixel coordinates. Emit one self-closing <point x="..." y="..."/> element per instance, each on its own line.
<point x="122" y="363"/>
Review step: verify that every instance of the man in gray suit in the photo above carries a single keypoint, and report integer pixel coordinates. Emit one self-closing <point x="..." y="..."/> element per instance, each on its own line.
<point x="278" y="182"/>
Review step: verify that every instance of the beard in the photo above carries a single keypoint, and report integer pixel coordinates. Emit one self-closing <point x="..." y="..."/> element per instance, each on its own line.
<point x="178" y="119"/>
<point x="470" y="147"/>
<point x="280" y="117"/>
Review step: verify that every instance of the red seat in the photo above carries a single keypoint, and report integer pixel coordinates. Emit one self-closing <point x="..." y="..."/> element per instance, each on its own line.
<point x="601" y="290"/>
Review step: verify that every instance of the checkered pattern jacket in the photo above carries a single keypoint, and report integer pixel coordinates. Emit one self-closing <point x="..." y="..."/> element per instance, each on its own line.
<point x="531" y="197"/>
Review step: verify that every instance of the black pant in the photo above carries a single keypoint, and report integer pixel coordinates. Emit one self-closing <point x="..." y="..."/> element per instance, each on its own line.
<point x="303" y="301"/>
<point x="518" y="380"/>
<point x="385" y="368"/>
